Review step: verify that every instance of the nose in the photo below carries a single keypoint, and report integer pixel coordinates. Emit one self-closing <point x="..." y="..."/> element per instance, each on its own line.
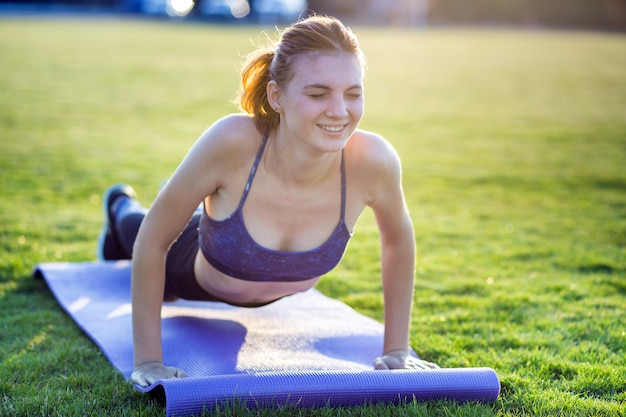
<point x="337" y="106"/>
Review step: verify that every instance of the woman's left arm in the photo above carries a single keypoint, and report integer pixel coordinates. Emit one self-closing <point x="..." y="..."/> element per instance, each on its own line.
<point x="397" y="242"/>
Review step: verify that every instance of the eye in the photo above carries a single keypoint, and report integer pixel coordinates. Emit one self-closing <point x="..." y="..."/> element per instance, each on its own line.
<point x="316" y="95"/>
<point x="354" y="93"/>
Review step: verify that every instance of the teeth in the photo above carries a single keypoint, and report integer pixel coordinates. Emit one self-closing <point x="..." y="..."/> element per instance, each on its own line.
<point x="332" y="128"/>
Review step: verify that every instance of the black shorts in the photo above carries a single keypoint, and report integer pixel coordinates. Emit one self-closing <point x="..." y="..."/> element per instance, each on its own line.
<point x="180" y="279"/>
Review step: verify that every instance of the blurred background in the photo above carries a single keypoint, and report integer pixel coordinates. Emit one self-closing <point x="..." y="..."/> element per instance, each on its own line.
<point x="607" y="15"/>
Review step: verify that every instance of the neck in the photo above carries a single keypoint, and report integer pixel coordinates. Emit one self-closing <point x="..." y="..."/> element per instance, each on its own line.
<point x="300" y="165"/>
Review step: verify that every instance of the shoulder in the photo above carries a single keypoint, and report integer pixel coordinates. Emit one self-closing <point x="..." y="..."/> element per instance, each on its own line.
<point x="231" y="132"/>
<point x="219" y="159"/>
<point x="373" y="165"/>
<point x="227" y="144"/>
<point x="371" y="151"/>
<point x="233" y="123"/>
<point x="226" y="141"/>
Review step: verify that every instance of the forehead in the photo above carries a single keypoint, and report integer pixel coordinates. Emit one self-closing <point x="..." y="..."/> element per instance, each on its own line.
<point x="332" y="69"/>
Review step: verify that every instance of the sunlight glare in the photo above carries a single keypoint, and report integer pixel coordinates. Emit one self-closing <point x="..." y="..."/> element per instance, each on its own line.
<point x="179" y="7"/>
<point x="240" y="8"/>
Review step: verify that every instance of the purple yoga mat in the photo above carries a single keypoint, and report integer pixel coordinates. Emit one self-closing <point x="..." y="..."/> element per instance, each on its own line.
<point x="304" y="350"/>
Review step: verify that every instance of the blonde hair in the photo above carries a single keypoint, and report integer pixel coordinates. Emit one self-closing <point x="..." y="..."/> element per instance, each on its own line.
<point x="274" y="62"/>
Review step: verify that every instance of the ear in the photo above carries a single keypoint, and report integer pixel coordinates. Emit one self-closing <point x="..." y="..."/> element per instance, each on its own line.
<point x="273" y="96"/>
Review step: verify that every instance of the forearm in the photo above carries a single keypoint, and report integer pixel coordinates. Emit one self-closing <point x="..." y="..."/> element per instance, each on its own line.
<point x="148" y="282"/>
<point x="398" y="271"/>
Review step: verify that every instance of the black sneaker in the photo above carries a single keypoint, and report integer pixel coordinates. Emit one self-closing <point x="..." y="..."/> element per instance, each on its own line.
<point x="109" y="247"/>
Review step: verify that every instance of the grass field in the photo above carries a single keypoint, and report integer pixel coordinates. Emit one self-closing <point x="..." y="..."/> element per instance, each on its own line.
<point x="514" y="153"/>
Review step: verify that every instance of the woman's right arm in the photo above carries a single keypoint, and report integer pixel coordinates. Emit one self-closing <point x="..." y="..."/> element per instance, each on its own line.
<point x="199" y="175"/>
<point x="148" y="282"/>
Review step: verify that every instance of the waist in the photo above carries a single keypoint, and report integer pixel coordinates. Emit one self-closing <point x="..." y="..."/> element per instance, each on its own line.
<point x="242" y="292"/>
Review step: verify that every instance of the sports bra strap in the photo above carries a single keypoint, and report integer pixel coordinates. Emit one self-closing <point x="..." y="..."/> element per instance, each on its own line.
<point x="246" y="190"/>
<point x="343" y="188"/>
<point x="257" y="160"/>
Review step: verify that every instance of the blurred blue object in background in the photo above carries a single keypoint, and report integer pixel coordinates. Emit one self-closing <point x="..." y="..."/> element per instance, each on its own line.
<point x="262" y="11"/>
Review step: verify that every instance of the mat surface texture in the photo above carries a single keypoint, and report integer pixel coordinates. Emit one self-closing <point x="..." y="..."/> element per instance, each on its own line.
<point x="306" y="350"/>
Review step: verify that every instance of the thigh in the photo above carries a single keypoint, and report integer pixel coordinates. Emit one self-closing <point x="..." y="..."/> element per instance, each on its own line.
<point x="180" y="279"/>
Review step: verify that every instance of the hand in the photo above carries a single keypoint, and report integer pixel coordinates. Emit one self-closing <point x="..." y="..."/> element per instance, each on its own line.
<point x="150" y="372"/>
<point x="400" y="359"/>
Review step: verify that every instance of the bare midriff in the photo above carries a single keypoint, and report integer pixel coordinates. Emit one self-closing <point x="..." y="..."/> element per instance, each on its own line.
<point x="243" y="292"/>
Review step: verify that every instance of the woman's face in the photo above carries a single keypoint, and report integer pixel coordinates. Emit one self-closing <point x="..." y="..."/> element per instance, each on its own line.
<point x="322" y="104"/>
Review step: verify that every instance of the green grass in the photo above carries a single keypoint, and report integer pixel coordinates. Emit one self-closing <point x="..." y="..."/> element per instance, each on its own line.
<point x="514" y="152"/>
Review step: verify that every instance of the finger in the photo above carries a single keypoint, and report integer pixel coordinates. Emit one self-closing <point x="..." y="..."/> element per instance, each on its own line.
<point x="150" y="379"/>
<point x="414" y="363"/>
<point x="380" y="364"/>
<point x="432" y="365"/>
<point x="172" y="372"/>
<point x="426" y="365"/>
<point x="137" y="379"/>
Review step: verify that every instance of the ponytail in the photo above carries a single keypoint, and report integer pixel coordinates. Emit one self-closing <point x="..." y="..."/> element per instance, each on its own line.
<point x="255" y="76"/>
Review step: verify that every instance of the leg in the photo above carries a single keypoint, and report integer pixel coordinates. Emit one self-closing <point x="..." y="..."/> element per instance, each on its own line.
<point x="179" y="265"/>
<point x="123" y="215"/>
<point x="128" y="217"/>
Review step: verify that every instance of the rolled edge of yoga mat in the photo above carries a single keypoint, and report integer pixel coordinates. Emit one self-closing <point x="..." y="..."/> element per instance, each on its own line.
<point x="327" y="388"/>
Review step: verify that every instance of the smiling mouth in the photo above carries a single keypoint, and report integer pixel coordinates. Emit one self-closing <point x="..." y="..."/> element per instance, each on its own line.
<point x="332" y="128"/>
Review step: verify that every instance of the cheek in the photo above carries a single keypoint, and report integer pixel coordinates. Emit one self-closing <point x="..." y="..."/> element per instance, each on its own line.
<point x="357" y="110"/>
<point x="307" y="109"/>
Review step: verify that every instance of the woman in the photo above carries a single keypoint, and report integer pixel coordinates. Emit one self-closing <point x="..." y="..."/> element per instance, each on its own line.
<point x="282" y="186"/>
